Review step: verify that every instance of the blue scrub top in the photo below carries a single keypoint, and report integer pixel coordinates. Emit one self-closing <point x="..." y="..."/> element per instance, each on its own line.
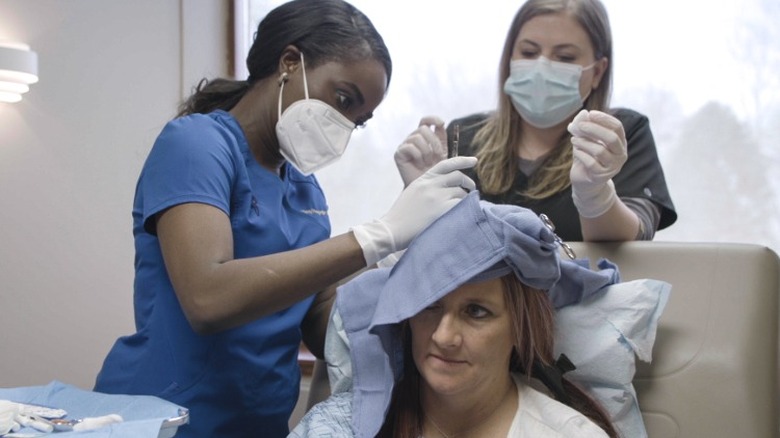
<point x="240" y="382"/>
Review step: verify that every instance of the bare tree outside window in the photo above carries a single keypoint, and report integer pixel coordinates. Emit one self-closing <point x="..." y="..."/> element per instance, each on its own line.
<point x="709" y="85"/>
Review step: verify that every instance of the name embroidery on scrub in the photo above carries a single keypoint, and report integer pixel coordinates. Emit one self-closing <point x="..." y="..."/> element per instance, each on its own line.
<point x="315" y="212"/>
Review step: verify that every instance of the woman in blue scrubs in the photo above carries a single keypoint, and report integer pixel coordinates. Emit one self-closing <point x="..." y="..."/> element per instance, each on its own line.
<point x="232" y="236"/>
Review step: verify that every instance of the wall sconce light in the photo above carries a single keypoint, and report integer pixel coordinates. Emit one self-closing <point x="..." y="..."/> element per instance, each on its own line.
<point x="18" y="69"/>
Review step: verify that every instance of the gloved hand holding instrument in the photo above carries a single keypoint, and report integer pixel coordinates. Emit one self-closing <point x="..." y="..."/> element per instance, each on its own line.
<point x="600" y="150"/>
<point x="424" y="147"/>
<point x="422" y="202"/>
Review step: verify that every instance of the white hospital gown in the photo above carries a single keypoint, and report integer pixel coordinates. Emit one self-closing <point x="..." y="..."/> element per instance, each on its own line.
<point x="538" y="416"/>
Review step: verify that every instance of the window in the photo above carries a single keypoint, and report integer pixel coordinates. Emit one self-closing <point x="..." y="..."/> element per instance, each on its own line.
<point x="704" y="72"/>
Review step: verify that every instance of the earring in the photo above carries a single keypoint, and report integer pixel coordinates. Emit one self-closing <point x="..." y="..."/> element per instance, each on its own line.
<point x="282" y="78"/>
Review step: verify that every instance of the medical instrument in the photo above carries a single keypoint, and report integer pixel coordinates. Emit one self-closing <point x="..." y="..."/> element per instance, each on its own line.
<point x="66" y="405"/>
<point x="64" y="424"/>
<point x="550" y="226"/>
<point x="82" y="424"/>
<point x="41" y="411"/>
<point x="455" y="141"/>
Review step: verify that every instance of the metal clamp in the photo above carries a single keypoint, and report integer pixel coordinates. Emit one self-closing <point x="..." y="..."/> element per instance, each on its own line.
<point x="550" y="226"/>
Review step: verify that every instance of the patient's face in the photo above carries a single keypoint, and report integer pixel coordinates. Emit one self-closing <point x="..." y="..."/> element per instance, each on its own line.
<point x="462" y="343"/>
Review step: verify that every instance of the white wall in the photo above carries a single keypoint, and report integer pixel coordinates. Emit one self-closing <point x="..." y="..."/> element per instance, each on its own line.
<point x="111" y="74"/>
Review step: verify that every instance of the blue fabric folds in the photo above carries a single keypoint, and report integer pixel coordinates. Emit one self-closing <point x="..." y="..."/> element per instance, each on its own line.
<point x="476" y="240"/>
<point x="143" y="415"/>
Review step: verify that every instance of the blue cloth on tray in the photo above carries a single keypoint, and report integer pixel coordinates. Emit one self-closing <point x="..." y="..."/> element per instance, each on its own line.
<point x="143" y="415"/>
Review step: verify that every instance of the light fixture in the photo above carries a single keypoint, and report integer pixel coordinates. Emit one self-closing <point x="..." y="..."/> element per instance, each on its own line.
<point x="18" y="69"/>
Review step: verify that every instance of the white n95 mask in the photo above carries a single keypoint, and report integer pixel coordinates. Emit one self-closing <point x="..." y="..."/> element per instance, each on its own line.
<point x="311" y="133"/>
<point x="544" y="92"/>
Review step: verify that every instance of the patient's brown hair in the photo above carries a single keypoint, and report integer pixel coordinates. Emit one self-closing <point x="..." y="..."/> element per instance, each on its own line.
<point x="533" y="323"/>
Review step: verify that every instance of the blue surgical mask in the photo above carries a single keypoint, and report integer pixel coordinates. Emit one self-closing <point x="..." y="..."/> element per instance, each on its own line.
<point x="544" y="92"/>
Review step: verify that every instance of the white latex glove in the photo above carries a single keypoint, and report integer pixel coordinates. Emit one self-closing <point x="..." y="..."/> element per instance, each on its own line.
<point x="391" y="260"/>
<point x="426" y="198"/>
<point x="424" y="147"/>
<point x="36" y="423"/>
<point x="8" y="413"/>
<point x="600" y="150"/>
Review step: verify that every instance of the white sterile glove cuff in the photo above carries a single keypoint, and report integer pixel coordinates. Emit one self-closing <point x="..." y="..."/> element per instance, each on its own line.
<point x="596" y="202"/>
<point x="376" y="240"/>
<point x="426" y="198"/>
<point x="391" y="260"/>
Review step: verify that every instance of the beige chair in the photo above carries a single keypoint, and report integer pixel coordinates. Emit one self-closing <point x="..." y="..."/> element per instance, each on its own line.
<point x="715" y="362"/>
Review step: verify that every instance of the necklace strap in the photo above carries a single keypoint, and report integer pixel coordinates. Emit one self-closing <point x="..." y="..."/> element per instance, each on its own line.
<point x="512" y="389"/>
<point x="436" y="426"/>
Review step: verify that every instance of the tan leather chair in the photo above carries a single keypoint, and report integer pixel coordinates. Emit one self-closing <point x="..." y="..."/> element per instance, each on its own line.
<point x="715" y="361"/>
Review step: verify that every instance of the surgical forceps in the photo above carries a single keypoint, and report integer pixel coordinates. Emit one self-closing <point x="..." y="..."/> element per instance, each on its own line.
<point x="456" y="134"/>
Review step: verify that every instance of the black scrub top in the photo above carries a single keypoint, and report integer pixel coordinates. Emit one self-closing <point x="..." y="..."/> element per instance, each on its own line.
<point x="640" y="177"/>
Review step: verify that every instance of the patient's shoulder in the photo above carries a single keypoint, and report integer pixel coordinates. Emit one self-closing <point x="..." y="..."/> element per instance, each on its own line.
<point x="330" y="417"/>
<point x="539" y="415"/>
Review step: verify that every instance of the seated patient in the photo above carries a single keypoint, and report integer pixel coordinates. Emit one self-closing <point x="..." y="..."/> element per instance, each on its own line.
<point x="457" y="338"/>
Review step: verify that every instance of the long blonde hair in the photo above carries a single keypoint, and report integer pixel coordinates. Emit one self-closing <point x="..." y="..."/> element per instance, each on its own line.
<point x="498" y="163"/>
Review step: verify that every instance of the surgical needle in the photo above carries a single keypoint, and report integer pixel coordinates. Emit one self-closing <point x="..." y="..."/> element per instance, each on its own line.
<point x="454" y="151"/>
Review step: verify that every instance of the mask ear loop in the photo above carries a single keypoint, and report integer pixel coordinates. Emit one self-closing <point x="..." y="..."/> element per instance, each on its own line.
<point x="305" y="84"/>
<point x="282" y="79"/>
<point x="592" y="88"/>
